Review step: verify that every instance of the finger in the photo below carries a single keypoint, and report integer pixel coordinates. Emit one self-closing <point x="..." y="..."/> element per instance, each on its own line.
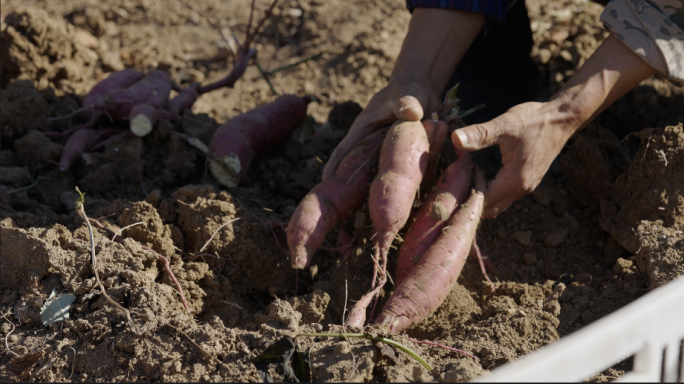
<point x="477" y="136"/>
<point x="502" y="191"/>
<point x="407" y="108"/>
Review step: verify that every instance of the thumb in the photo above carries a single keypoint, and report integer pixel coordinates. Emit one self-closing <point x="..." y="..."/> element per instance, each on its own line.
<point x="407" y="108"/>
<point x="475" y="137"/>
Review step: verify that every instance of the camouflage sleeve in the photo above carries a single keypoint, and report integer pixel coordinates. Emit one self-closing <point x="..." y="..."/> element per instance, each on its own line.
<point x="653" y="29"/>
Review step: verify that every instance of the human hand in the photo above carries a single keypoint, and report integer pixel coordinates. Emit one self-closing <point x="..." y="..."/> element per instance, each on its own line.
<point x="436" y="41"/>
<point x="404" y="98"/>
<point x="531" y="135"/>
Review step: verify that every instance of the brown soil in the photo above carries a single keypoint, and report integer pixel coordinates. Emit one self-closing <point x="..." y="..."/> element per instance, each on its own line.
<point x="602" y="229"/>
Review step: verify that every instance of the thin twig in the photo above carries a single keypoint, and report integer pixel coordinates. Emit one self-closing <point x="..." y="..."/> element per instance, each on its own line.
<point x="252" y="35"/>
<point x="480" y="259"/>
<point x="278" y="241"/>
<point x="233" y="304"/>
<point x="345" y="305"/>
<point x="249" y="23"/>
<point x="8" y="335"/>
<point x="208" y="20"/>
<point x="26" y="188"/>
<point x="193" y="341"/>
<point x="441" y="346"/>
<point x="81" y="212"/>
<point x="73" y="364"/>
<point x="265" y="75"/>
<point x="167" y="266"/>
<point x="381" y="339"/>
<point x="296" y="63"/>
<point x="215" y="232"/>
<point x="120" y="231"/>
<point x="244" y="56"/>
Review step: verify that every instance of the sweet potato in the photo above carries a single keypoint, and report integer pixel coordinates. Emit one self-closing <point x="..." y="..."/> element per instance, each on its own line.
<point x="145" y="116"/>
<point x="438" y="269"/>
<point x="96" y="99"/>
<point x="357" y="315"/>
<point x="185" y="99"/>
<point x="403" y="160"/>
<point x="336" y="198"/>
<point x="344" y="242"/>
<point x="450" y="191"/>
<point x="238" y="140"/>
<point x="153" y="89"/>
<point x="79" y="142"/>
<point x="95" y="102"/>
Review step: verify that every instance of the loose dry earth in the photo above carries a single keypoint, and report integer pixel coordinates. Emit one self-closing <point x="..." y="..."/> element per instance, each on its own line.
<point x="604" y="227"/>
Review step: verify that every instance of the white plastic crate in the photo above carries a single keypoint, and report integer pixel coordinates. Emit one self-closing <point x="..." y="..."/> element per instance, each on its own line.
<point x="645" y="328"/>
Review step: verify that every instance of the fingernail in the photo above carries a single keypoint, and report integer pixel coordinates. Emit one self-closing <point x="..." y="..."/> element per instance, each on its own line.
<point x="435" y="117"/>
<point x="462" y="137"/>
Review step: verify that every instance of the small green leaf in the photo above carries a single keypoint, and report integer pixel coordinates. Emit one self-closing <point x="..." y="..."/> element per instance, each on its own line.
<point x="56" y="308"/>
<point x="285" y="357"/>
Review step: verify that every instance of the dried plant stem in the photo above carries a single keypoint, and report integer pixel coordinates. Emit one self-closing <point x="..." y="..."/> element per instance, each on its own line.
<point x="381" y="339"/>
<point x="30" y="186"/>
<point x="480" y="259"/>
<point x="193" y="341"/>
<point x="120" y="231"/>
<point x="441" y="346"/>
<point x="81" y="212"/>
<point x="215" y="232"/>
<point x="264" y="74"/>
<point x="8" y="335"/>
<point x="296" y="63"/>
<point x="119" y="239"/>
<point x="233" y="304"/>
<point x="73" y="364"/>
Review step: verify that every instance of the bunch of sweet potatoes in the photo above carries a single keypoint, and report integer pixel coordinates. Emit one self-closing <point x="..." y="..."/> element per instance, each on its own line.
<point x="437" y="242"/>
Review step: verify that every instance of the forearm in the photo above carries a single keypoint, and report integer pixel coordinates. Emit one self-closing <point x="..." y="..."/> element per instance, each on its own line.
<point x="436" y="41"/>
<point x="609" y="73"/>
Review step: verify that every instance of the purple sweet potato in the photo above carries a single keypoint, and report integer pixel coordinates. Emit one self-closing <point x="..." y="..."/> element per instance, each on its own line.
<point x="79" y="142"/>
<point x="450" y="191"/>
<point x="430" y="282"/>
<point x="238" y="140"/>
<point x="184" y="100"/>
<point x="336" y="198"/>
<point x="145" y="116"/>
<point x="153" y="89"/>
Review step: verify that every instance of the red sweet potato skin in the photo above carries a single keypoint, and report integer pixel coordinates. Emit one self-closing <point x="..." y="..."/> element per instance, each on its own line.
<point x="258" y="130"/>
<point x="184" y="100"/>
<point x="438" y="269"/>
<point x="78" y="143"/>
<point x="450" y="191"/>
<point x="99" y="94"/>
<point x="403" y="160"/>
<point x="336" y="198"/>
<point x="153" y="89"/>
